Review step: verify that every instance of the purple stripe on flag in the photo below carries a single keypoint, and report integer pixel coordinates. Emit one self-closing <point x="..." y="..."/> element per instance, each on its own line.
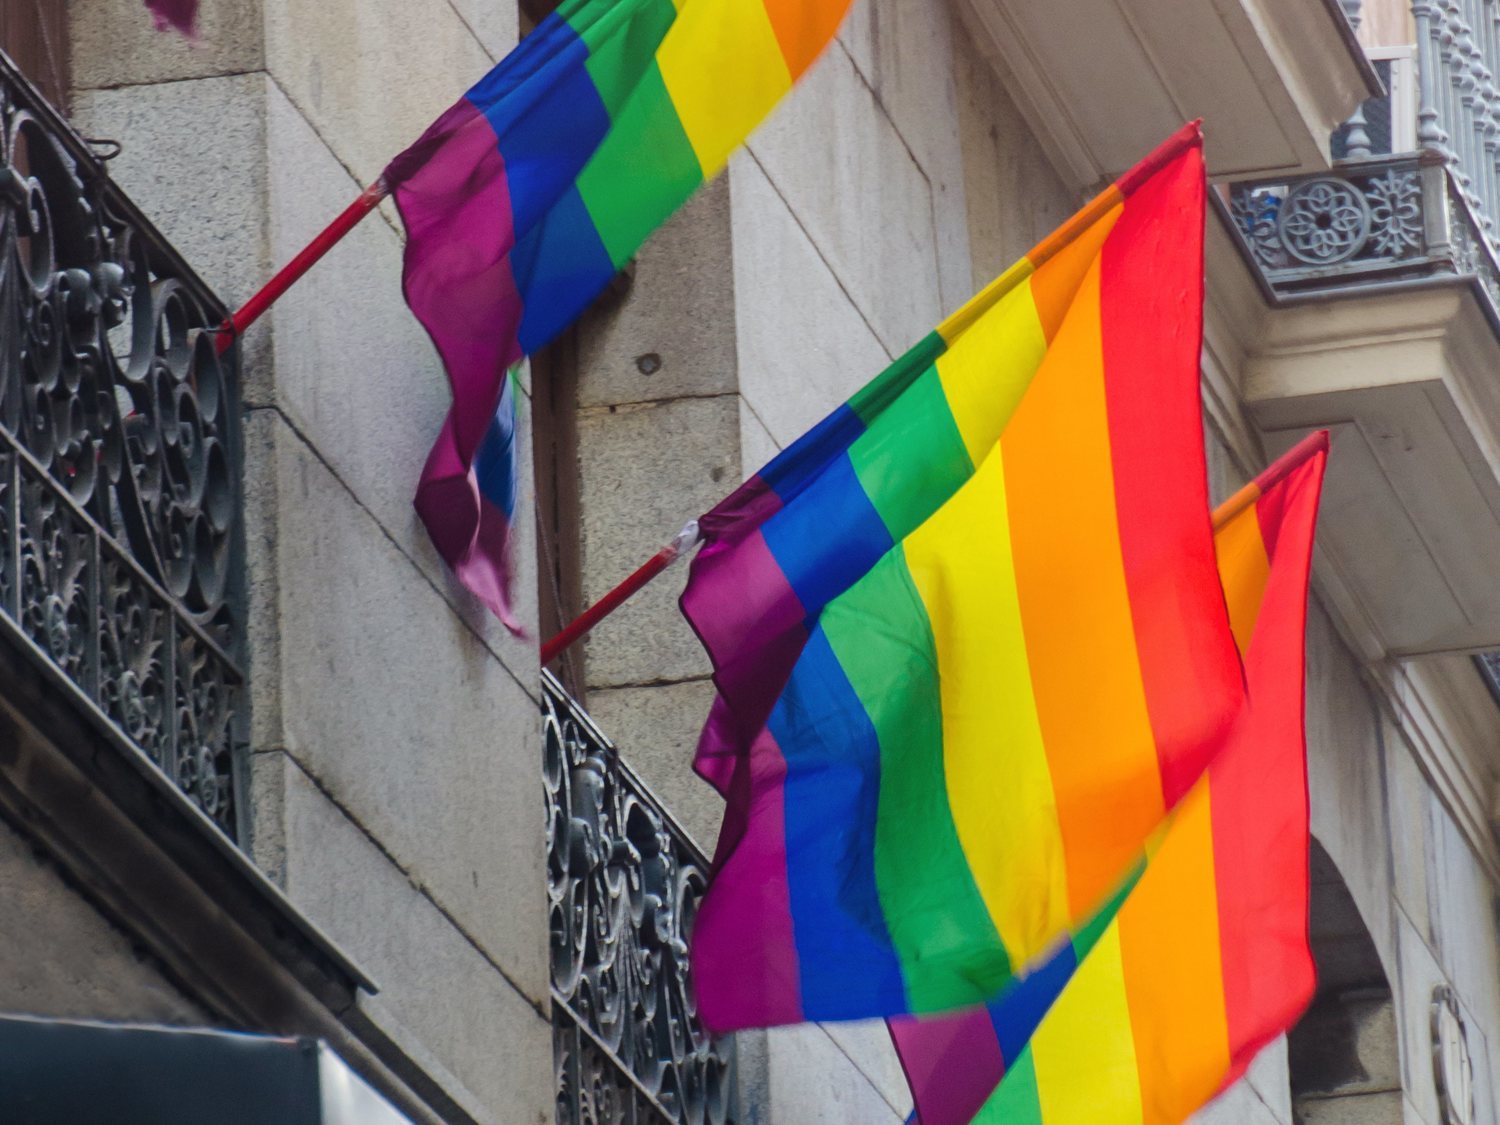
<point x="952" y="1062"/>
<point x="752" y="625"/>
<point x="748" y="922"/>
<point x="463" y="292"/>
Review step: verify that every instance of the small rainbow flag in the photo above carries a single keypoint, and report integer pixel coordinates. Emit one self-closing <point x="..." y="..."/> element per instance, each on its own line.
<point x="526" y="197"/>
<point x="1169" y="994"/>
<point x="967" y="634"/>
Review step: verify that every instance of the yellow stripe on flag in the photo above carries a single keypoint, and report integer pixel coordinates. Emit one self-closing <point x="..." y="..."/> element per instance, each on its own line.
<point x="1087" y="1033"/>
<point x="724" y="70"/>
<point x="960" y="561"/>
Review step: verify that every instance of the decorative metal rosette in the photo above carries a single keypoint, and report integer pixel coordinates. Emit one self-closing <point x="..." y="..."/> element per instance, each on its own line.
<point x="1323" y="220"/>
<point x="118" y="495"/>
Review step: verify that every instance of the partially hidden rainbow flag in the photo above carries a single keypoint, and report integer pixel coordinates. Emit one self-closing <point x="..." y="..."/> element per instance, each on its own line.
<point x="526" y="197"/>
<point x="1163" y="1001"/>
<point x="967" y="635"/>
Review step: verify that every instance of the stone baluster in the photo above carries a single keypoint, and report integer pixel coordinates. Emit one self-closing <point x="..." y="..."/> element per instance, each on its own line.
<point x="1430" y="133"/>
<point x="1455" y="113"/>
<point x="1352" y="11"/>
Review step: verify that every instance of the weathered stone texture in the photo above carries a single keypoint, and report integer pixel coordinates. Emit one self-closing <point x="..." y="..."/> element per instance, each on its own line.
<point x="643" y="471"/>
<point x="393" y="705"/>
<point x="440" y="996"/>
<point x="64" y="961"/>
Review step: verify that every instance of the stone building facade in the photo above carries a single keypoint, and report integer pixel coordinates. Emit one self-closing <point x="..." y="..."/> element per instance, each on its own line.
<point x="391" y="886"/>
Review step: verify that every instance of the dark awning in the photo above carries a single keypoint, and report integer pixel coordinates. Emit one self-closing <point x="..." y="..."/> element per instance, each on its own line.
<point x="61" y="1073"/>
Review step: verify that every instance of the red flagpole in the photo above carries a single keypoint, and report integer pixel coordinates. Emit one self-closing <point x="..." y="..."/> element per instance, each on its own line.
<point x="584" y="623"/>
<point x="252" y="310"/>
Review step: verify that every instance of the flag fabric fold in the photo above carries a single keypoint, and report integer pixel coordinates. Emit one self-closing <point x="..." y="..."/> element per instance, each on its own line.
<point x="175" y="15"/>
<point x="526" y="197"/>
<point x="968" y="637"/>
<point x="1203" y="957"/>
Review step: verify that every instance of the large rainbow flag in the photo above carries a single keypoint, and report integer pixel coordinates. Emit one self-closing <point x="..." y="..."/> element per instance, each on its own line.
<point x="1166" y="998"/>
<point x="526" y="197"/>
<point x="968" y="636"/>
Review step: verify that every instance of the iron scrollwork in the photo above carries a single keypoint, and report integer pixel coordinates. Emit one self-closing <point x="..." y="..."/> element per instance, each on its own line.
<point x="118" y="503"/>
<point x="624" y="883"/>
<point x="1395" y="218"/>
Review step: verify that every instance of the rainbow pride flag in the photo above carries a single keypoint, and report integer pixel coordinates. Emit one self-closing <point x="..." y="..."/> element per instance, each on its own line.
<point x="968" y="636"/>
<point x="1167" y="996"/>
<point x="526" y="197"/>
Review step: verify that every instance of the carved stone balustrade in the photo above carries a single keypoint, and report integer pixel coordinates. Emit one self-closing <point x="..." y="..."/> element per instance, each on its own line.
<point x="624" y="883"/>
<point x="119" y="510"/>
<point x="1381" y="219"/>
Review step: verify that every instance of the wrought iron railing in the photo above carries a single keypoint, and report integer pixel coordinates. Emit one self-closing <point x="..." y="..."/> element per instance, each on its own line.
<point x="1382" y="219"/>
<point x="624" y="883"/>
<point x="119" y="508"/>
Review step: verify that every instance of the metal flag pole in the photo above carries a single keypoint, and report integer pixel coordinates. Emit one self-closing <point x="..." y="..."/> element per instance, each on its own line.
<point x="291" y="273"/>
<point x="584" y="623"/>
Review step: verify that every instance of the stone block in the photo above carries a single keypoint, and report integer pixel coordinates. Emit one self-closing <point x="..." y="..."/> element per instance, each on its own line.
<point x="867" y="1044"/>
<point x="673" y="333"/>
<point x="831" y="142"/>
<point x="1345" y="777"/>
<point x="656" y="729"/>
<point x="394" y="706"/>
<point x="359" y="377"/>
<point x="804" y="347"/>
<point x="643" y="471"/>
<point x="813" y="1082"/>
<point x="1356" y="1109"/>
<point x="339" y="62"/>
<point x="1417" y="976"/>
<point x="1011" y="193"/>
<point x="904" y="52"/>
<point x="115" y="43"/>
<point x="450" y="1000"/>
<point x="193" y="157"/>
<point x="63" y="960"/>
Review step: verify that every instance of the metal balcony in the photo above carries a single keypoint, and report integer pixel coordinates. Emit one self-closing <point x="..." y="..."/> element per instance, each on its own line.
<point x="1386" y="218"/>
<point x="119" y="505"/>
<point x="624" y="883"/>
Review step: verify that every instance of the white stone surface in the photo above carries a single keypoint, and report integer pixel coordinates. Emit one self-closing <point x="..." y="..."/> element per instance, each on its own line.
<point x="803" y="346"/>
<point x="830" y="142"/>
<point x="436" y="987"/>
<point x="391" y="703"/>
<point x="814" y="1082"/>
<point x="371" y="77"/>
<point x="905" y="54"/>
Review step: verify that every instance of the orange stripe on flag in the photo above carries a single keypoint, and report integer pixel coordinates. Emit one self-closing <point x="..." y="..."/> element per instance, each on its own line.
<point x="1075" y="609"/>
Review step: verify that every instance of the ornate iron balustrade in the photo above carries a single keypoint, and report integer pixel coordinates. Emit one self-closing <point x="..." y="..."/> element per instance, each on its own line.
<point x="1386" y="219"/>
<point x="119" y="511"/>
<point x="624" y="883"/>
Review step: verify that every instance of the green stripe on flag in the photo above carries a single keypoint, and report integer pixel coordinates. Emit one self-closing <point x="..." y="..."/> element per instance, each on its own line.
<point x="642" y="172"/>
<point x="911" y="458"/>
<point x="949" y="950"/>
